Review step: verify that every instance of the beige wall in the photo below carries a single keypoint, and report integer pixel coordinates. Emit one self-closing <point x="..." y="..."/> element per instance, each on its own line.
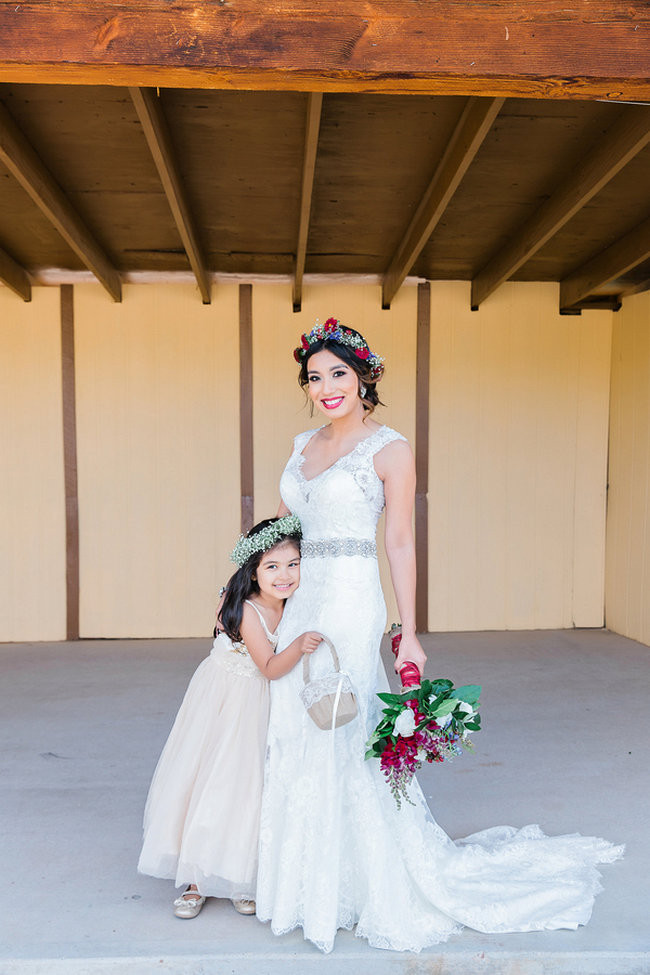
<point x="519" y="401"/>
<point x="158" y="442"/>
<point x="518" y="452"/>
<point x="628" y="524"/>
<point x="32" y="507"/>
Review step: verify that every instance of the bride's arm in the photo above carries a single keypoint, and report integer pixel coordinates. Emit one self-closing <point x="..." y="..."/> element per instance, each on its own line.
<point x="395" y="465"/>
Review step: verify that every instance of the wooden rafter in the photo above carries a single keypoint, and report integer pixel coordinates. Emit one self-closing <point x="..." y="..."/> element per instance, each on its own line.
<point x="622" y="142"/>
<point x="474" y="124"/>
<point x="541" y="48"/>
<point x="14" y="276"/>
<point x="312" y="128"/>
<point x="26" y="166"/>
<point x="626" y="253"/>
<point x="635" y="288"/>
<point x="156" y="131"/>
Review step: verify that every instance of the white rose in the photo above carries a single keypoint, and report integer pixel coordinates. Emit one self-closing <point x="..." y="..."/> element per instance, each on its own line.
<point x="405" y="723"/>
<point x="443" y="721"/>
<point x="467" y="710"/>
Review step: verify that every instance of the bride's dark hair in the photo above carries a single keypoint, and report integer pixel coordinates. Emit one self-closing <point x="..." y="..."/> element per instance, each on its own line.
<point x="344" y="352"/>
<point x="243" y="584"/>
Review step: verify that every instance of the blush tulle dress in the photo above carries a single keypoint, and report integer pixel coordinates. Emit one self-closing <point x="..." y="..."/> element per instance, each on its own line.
<point x="334" y="850"/>
<point x="201" y="819"/>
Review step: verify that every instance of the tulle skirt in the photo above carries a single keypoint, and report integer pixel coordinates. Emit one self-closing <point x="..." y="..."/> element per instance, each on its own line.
<point x="201" y="820"/>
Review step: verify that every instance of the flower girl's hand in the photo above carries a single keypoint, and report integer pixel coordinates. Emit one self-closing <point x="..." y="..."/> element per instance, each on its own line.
<point x="410" y="648"/>
<point x="308" y="642"/>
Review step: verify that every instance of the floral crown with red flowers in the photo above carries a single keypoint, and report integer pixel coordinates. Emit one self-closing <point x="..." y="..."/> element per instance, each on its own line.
<point x="332" y="329"/>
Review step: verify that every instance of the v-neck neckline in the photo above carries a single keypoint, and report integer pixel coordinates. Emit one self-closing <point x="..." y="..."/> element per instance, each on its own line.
<point x="302" y="458"/>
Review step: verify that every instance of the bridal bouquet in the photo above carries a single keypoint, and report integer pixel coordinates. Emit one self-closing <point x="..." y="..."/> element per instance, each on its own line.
<point x="430" y="721"/>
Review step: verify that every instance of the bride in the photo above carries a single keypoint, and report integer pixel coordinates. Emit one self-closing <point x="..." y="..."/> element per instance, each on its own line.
<point x="335" y="851"/>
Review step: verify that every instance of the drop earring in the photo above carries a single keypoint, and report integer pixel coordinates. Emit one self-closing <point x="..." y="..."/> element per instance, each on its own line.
<point x="362" y="390"/>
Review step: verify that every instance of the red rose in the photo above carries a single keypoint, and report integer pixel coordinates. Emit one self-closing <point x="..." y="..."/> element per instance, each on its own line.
<point x="331" y="323"/>
<point x="304" y="342"/>
<point x="297" y="356"/>
<point x="363" y="353"/>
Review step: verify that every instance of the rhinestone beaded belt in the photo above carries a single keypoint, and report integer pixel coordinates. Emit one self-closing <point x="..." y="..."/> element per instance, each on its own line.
<point x="329" y="548"/>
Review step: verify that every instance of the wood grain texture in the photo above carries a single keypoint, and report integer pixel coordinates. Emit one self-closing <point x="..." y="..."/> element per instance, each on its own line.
<point x="473" y="125"/>
<point x="25" y="165"/>
<point x="627" y="137"/>
<point x="156" y="131"/>
<point x="422" y="458"/>
<point x="246" y="458"/>
<point x="312" y="129"/>
<point x="621" y="256"/>
<point x="70" y="462"/>
<point x="14" y="276"/>
<point x="594" y="48"/>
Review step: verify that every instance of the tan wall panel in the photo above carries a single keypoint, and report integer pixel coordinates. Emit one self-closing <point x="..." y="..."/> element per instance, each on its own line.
<point x="279" y="404"/>
<point x="517" y="461"/>
<point x="32" y="521"/>
<point x="158" y="443"/>
<point x="628" y="522"/>
<point x="519" y="401"/>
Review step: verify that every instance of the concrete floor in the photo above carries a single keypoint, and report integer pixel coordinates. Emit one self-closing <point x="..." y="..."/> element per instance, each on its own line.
<point x="565" y="743"/>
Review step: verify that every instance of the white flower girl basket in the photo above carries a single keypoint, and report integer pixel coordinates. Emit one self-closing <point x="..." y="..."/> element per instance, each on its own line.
<point x="329" y="700"/>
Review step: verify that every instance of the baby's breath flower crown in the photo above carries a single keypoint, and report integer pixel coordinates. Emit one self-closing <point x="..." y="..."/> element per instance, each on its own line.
<point x="332" y="329"/>
<point x="265" y="539"/>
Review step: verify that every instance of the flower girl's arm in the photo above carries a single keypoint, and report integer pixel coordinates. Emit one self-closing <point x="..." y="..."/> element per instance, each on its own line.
<point x="273" y="665"/>
<point x="395" y="465"/>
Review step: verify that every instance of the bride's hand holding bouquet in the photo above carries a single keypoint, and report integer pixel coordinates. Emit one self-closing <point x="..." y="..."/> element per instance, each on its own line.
<point x="430" y="721"/>
<point x="409" y="650"/>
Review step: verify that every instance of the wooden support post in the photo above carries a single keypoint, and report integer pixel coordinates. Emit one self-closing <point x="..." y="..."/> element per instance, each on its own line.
<point x="70" y="462"/>
<point x="422" y="458"/>
<point x="314" y="107"/>
<point x="246" y="405"/>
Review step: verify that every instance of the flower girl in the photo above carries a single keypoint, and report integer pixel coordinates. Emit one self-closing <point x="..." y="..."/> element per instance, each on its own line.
<point x="201" y="820"/>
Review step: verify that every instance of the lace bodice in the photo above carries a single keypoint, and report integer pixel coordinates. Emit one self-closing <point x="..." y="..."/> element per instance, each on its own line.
<point x="234" y="657"/>
<point x="346" y="499"/>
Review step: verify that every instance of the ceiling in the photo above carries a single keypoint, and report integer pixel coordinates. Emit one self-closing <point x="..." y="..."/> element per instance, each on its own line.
<point x="256" y="183"/>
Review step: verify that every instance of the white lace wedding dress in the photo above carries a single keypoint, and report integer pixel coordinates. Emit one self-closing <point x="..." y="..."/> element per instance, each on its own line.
<point x="334" y="850"/>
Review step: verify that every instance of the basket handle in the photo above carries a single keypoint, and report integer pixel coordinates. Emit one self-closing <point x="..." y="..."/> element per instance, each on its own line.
<point x="305" y="659"/>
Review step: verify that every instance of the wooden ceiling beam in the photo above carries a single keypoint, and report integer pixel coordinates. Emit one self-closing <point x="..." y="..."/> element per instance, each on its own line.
<point x="621" y="142"/>
<point x="26" y="166"/>
<point x="312" y="129"/>
<point x="635" y="288"/>
<point x="14" y="276"/>
<point x="541" y="48"/>
<point x="623" y="255"/>
<point x="156" y="131"/>
<point x="474" y="124"/>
